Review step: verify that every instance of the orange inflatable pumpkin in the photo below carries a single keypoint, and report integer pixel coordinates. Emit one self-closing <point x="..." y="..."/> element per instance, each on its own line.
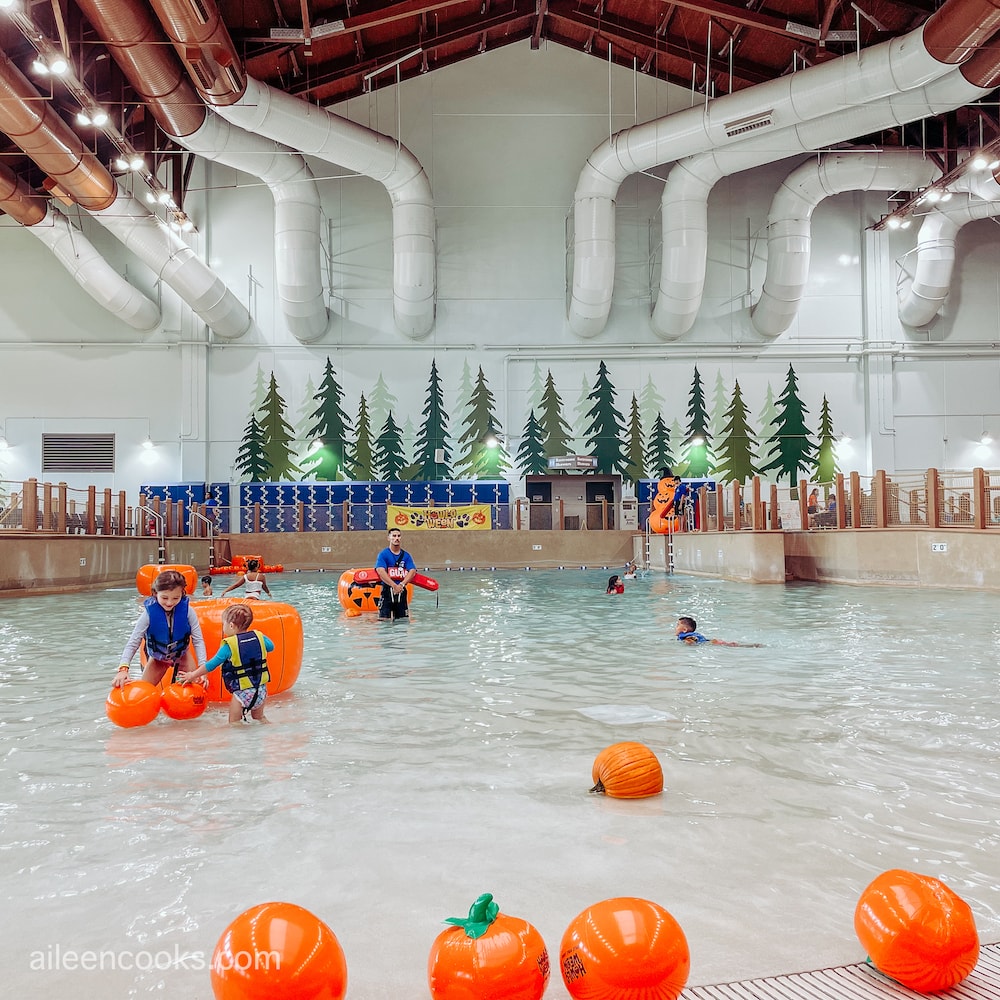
<point x="624" y="949"/>
<point x="278" y="951"/>
<point x="135" y="704"/>
<point x="488" y="956"/>
<point x="145" y="576"/>
<point x="184" y="701"/>
<point x="280" y="622"/>
<point x="359" y="598"/>
<point x="627" y="771"/>
<point x="917" y="931"/>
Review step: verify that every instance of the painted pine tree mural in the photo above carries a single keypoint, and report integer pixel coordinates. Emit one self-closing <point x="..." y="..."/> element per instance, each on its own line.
<point x="719" y="409"/>
<point x="535" y="390"/>
<point x="736" y="458"/>
<point x="531" y="458"/>
<point x="303" y="418"/>
<point x="250" y="458"/>
<point x="580" y="420"/>
<point x="260" y="385"/>
<point x="651" y="403"/>
<point x="388" y="456"/>
<point x="433" y="434"/>
<point x="278" y="435"/>
<point x="793" y="450"/>
<point x="636" y="466"/>
<point x="485" y="456"/>
<point x="330" y="429"/>
<point x="697" y="444"/>
<point x="767" y="421"/>
<point x="380" y="402"/>
<point x="606" y="428"/>
<point x="362" y="462"/>
<point x="826" y="467"/>
<point x="658" y="453"/>
<point x="557" y="435"/>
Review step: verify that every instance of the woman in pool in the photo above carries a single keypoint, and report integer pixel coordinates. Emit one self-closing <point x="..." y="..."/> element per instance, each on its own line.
<point x="253" y="579"/>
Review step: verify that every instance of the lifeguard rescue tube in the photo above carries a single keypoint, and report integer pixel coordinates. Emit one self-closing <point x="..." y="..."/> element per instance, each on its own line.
<point x="395" y="573"/>
<point x="281" y="623"/>
<point x="145" y="576"/>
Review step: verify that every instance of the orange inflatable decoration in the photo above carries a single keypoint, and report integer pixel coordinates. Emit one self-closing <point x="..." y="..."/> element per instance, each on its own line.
<point x="184" y="701"/>
<point x="278" y="951"/>
<point x="239" y="565"/>
<point x="627" y="771"/>
<point x="280" y="622"/>
<point x="147" y="574"/>
<point x="135" y="704"/>
<point x="917" y="931"/>
<point x="664" y="514"/>
<point x="488" y="956"/>
<point x="359" y="598"/>
<point x="624" y="949"/>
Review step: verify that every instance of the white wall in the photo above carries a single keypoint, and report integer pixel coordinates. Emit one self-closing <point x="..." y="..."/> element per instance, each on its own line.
<point x="502" y="138"/>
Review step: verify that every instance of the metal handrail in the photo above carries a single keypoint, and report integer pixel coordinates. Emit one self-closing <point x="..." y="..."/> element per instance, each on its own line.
<point x="211" y="535"/>
<point x="161" y="555"/>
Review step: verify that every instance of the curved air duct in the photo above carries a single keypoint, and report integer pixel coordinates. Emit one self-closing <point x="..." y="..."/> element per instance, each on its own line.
<point x="76" y="253"/>
<point x="204" y="46"/>
<point x="947" y="38"/>
<point x="789" y="221"/>
<point x="27" y="118"/>
<point x="921" y="297"/>
<point x="139" y="47"/>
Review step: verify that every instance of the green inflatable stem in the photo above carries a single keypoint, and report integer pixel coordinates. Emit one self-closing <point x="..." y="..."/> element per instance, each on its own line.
<point x="482" y="913"/>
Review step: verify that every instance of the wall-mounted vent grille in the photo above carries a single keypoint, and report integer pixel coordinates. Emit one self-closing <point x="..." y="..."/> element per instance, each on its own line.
<point x="237" y="81"/>
<point x="199" y="8"/>
<point x="749" y="124"/>
<point x="199" y="69"/>
<point x="78" y="453"/>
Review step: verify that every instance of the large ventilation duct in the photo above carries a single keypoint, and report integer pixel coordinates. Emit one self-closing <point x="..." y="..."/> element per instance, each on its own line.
<point x="137" y="43"/>
<point x="76" y="253"/>
<point x="921" y="297"/>
<point x="684" y="203"/>
<point x="204" y="46"/>
<point x="947" y="38"/>
<point x="27" y="118"/>
<point x="790" y="219"/>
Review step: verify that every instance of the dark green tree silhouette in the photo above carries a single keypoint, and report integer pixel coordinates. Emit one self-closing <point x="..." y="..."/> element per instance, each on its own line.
<point x="696" y="446"/>
<point x="278" y="435"/>
<point x="557" y="435"/>
<point x="826" y="466"/>
<point x="388" y="456"/>
<point x="485" y="456"/>
<point x="531" y="458"/>
<point x="362" y="463"/>
<point x="329" y="429"/>
<point x="635" y="470"/>
<point x="433" y="434"/>
<point x="604" y="433"/>
<point x="658" y="453"/>
<point x="736" y="456"/>
<point x="250" y="459"/>
<point x="793" y="450"/>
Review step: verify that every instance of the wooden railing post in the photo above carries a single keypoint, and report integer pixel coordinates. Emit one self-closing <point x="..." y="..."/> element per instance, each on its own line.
<point x="980" y="511"/>
<point x="855" y="500"/>
<point x="91" y="510"/>
<point x="47" y="519"/>
<point x="347" y="515"/>
<point x="803" y="504"/>
<point x="841" y="494"/>
<point x="122" y="511"/>
<point x="880" y="498"/>
<point x="561" y="518"/>
<point x="29" y="505"/>
<point x="933" y="499"/>
<point x="300" y="516"/>
<point x="775" y="519"/>
<point x="106" y="505"/>
<point x="758" y="511"/>
<point x="61" y="508"/>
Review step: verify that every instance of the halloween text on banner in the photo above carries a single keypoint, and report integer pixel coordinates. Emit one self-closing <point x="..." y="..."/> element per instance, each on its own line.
<point x="468" y="517"/>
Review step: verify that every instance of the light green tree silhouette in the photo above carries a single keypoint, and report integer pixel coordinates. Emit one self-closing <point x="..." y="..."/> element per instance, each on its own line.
<point x="278" y="435"/>
<point x="531" y="458"/>
<point x="380" y="402"/>
<point x="328" y="459"/>
<point x="736" y="453"/>
<point x="604" y="433"/>
<point x="767" y="421"/>
<point x="793" y="450"/>
<point x="650" y="402"/>
<point x="535" y="390"/>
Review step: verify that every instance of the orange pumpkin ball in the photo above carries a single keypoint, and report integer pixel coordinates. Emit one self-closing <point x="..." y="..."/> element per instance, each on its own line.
<point x="184" y="701"/>
<point x="135" y="704"/>
<point x="278" y="951"/>
<point x="488" y="956"/>
<point x="624" y="949"/>
<point x="627" y="771"/>
<point x="917" y="931"/>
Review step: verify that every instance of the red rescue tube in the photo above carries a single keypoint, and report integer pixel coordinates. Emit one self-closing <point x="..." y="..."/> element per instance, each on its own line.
<point x="419" y="580"/>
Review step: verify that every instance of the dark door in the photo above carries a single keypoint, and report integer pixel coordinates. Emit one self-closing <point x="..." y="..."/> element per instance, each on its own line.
<point x="540" y="506"/>
<point x="596" y="492"/>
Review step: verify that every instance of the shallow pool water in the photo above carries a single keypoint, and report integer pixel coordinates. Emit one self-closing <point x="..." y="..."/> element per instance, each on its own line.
<point x="416" y="765"/>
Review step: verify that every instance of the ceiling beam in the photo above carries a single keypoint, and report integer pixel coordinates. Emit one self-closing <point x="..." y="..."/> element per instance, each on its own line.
<point x="740" y="15"/>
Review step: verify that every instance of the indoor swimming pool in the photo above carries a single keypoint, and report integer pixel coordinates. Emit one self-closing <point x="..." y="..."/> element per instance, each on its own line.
<point x="417" y="765"/>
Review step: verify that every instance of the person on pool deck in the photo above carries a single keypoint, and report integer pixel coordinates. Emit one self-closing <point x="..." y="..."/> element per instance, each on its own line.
<point x="615" y="585"/>
<point x="243" y="658"/>
<point x="206" y="586"/>
<point x="687" y="631"/>
<point x="254" y="580"/>
<point x="395" y="568"/>
<point x="169" y="625"/>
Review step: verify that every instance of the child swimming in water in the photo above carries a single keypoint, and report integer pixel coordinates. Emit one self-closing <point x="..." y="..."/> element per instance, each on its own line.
<point x="687" y="631"/>
<point x="615" y="585"/>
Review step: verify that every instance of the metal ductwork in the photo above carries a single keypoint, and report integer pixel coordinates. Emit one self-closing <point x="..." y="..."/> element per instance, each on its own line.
<point x="921" y="297"/>
<point x="27" y="118"/>
<point x="877" y="74"/>
<point x="790" y="219"/>
<point x="76" y="253"/>
<point x="137" y="43"/>
<point x="204" y="46"/>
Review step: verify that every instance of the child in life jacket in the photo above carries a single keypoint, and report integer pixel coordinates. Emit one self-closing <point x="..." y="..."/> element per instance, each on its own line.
<point x="687" y="632"/>
<point x="168" y="625"/>
<point x="243" y="658"/>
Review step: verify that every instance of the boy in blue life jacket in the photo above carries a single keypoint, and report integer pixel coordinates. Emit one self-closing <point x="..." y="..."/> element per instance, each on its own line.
<point x="687" y="631"/>
<point x="243" y="658"/>
<point x="168" y="625"/>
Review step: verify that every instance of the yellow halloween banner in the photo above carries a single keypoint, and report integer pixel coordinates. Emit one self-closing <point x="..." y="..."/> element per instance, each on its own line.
<point x="470" y="517"/>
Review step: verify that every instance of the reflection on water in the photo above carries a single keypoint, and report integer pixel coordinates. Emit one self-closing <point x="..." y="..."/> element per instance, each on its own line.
<point x="415" y="765"/>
